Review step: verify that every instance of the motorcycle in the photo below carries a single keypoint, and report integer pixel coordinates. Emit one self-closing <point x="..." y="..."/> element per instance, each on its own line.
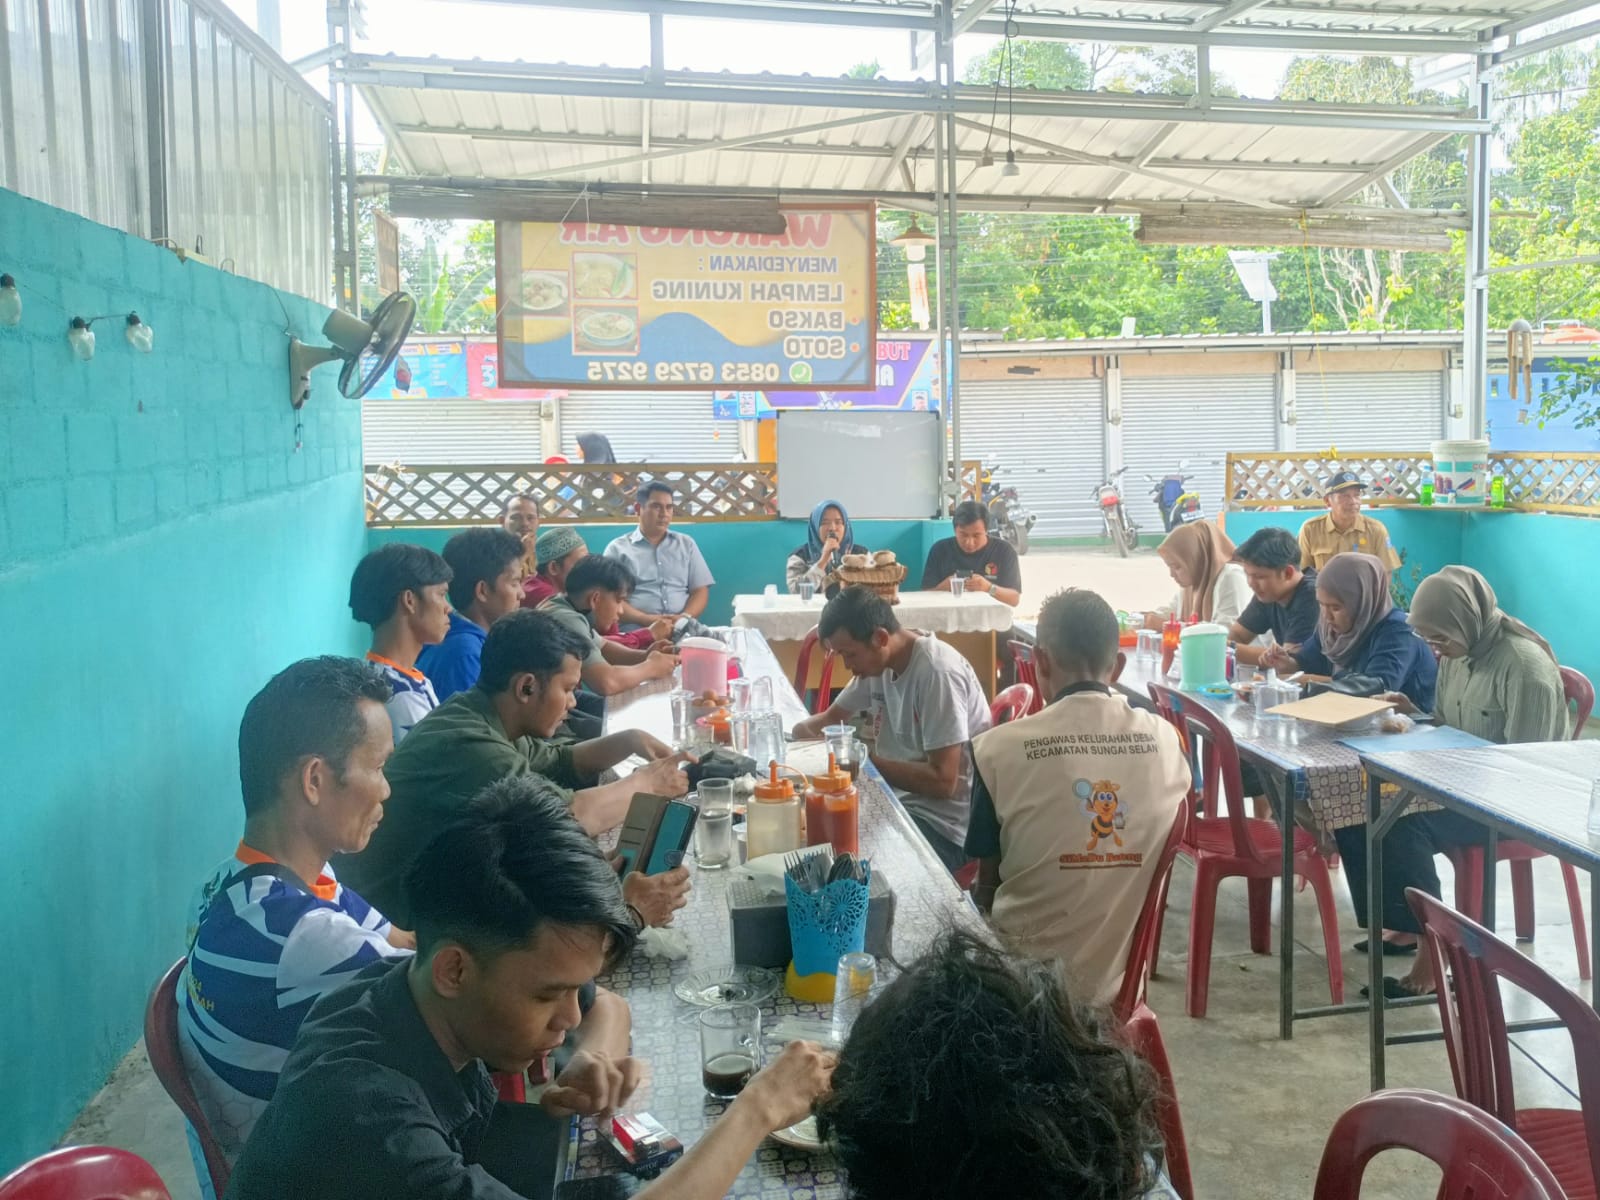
<point x="1179" y="504"/>
<point x="1120" y="527"/>
<point x="1009" y="519"/>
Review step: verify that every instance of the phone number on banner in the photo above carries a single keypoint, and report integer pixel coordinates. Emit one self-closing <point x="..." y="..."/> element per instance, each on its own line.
<point x="613" y="371"/>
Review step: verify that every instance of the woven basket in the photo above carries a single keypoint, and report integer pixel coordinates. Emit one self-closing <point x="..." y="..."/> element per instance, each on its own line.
<point x="885" y="581"/>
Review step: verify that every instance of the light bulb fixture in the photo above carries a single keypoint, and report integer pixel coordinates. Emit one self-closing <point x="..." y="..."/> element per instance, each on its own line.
<point x="1011" y="170"/>
<point x="140" y="336"/>
<point x="914" y="241"/>
<point x="81" y="338"/>
<point x="10" y="301"/>
<point x="986" y="159"/>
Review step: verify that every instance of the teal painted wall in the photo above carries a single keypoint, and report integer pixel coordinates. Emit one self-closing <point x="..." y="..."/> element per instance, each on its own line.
<point x="744" y="556"/>
<point x="163" y="550"/>
<point x="1543" y="569"/>
<point x="1541" y="566"/>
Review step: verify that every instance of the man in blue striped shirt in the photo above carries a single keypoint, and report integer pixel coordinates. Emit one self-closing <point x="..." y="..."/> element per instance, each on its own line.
<point x="272" y="931"/>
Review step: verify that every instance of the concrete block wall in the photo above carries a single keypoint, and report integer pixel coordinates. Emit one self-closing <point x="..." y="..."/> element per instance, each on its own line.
<point x="164" y="548"/>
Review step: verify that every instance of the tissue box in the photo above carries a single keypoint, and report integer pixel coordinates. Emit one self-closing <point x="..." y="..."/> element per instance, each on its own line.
<point x="760" y="923"/>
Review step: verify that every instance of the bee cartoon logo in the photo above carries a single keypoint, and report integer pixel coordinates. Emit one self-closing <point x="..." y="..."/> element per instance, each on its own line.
<point x="1104" y="810"/>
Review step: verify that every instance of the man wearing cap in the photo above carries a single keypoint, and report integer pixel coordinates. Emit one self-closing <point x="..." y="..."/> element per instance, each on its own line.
<point x="1343" y="528"/>
<point x="556" y="552"/>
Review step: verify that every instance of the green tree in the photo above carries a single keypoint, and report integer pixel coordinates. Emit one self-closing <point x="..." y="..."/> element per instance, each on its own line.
<point x="1029" y="63"/>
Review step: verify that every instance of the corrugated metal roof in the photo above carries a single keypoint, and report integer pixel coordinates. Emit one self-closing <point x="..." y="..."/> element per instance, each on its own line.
<point x="800" y="134"/>
<point x="1125" y="151"/>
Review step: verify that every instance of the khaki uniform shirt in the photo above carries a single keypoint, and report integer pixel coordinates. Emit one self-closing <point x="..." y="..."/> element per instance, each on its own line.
<point x="1320" y="541"/>
<point x="1077" y="802"/>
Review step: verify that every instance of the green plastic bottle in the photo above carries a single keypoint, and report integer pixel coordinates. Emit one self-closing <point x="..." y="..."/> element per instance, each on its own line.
<point x="1497" y="492"/>
<point x="1425" y="495"/>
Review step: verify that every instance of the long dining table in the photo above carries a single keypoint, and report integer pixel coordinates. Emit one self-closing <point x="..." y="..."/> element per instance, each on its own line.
<point x="1298" y="763"/>
<point x="665" y="1031"/>
<point x="1537" y="793"/>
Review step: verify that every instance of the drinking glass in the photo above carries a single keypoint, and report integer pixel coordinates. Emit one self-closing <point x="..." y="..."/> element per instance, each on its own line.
<point x="769" y="596"/>
<point x="713" y="829"/>
<point x="739" y="641"/>
<point x="741" y="724"/>
<point x="739" y="694"/>
<point x="682" y="716"/>
<point x="850" y="756"/>
<point x="1149" y="646"/>
<point x="853" y="981"/>
<point x="958" y="586"/>
<point x="730" y="1048"/>
<point x="766" y="740"/>
<point x="807" y="589"/>
<point x="761" y="694"/>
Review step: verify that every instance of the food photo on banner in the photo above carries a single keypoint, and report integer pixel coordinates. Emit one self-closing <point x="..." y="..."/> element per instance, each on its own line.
<point x="906" y="378"/>
<point x="590" y="305"/>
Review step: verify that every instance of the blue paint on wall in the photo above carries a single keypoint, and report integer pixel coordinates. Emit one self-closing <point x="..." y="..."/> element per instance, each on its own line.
<point x="163" y="550"/>
<point x="1540" y="565"/>
<point x="744" y="556"/>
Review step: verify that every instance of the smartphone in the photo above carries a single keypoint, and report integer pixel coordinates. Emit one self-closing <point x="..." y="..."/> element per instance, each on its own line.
<point x="601" y="1187"/>
<point x="673" y="832"/>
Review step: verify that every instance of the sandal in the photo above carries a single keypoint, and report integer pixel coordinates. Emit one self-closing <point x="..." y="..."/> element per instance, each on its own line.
<point x="1395" y="989"/>
<point x="1390" y="949"/>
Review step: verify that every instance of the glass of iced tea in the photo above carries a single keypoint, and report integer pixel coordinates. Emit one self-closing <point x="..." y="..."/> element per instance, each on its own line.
<point x="730" y="1048"/>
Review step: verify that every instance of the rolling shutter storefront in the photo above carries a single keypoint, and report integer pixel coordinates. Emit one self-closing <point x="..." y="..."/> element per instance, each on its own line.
<point x="1045" y="438"/>
<point x="1399" y="410"/>
<point x="662" y="427"/>
<point x="1195" y="420"/>
<point x="450" y="432"/>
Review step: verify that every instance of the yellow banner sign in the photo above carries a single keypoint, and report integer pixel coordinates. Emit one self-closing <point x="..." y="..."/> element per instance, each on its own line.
<point x="625" y="306"/>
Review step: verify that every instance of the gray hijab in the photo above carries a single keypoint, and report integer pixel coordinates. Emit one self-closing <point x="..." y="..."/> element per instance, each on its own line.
<point x="1359" y="582"/>
<point x="1458" y="604"/>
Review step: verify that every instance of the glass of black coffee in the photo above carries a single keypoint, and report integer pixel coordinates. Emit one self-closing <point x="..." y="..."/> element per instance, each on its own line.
<point x="730" y="1048"/>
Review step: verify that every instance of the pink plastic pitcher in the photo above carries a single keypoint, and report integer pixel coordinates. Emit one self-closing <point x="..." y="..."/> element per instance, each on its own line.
<point x="705" y="665"/>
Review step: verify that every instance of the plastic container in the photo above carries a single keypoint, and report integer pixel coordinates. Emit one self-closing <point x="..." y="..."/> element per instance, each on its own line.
<point x="833" y="810"/>
<point x="772" y="821"/>
<point x="705" y="665"/>
<point x="1461" y="472"/>
<point x="1203" y="651"/>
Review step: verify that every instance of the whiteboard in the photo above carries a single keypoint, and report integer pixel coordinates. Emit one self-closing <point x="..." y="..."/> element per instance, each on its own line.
<point x="878" y="465"/>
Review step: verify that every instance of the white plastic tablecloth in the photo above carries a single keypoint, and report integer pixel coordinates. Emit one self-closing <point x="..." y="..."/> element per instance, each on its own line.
<point x="787" y="618"/>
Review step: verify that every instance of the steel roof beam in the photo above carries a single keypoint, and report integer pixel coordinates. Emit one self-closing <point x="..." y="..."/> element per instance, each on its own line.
<point x="1239" y="37"/>
<point x="1225" y="14"/>
<point x="1543" y="16"/>
<point x="975" y="101"/>
<point x="806" y="149"/>
<point x="1520" y="50"/>
<point x="1382" y="170"/>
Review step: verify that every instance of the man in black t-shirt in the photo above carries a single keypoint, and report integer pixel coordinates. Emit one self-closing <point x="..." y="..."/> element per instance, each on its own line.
<point x="990" y="565"/>
<point x="1285" y="603"/>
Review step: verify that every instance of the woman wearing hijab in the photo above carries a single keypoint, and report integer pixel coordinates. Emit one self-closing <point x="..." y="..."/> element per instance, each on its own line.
<point x="828" y="539"/>
<point x="1212" y="586"/>
<point x="1361" y="633"/>
<point x="1498" y="679"/>
<point x="596" y="448"/>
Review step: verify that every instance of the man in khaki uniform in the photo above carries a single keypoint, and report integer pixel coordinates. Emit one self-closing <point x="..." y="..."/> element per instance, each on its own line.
<point x="1343" y="529"/>
<point x="1072" y="806"/>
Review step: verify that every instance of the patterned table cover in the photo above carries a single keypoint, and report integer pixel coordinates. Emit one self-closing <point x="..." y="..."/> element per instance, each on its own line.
<point x="1324" y="772"/>
<point x="665" y="1030"/>
<point x="788" y="618"/>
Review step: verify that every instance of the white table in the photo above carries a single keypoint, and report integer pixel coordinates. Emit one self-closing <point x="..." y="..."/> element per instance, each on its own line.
<point x="970" y="623"/>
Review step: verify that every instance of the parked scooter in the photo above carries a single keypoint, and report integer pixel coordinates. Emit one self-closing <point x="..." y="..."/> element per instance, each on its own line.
<point x="1179" y="504"/>
<point x="1009" y="519"/>
<point x="1120" y="527"/>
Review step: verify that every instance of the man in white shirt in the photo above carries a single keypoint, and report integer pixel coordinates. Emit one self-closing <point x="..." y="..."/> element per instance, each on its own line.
<point x="927" y="705"/>
<point x="1072" y="806"/>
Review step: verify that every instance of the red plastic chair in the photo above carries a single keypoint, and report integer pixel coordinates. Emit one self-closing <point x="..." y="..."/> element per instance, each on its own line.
<point x="161" y="1047"/>
<point x="1475" y="1034"/>
<point x="1138" y="1024"/>
<point x="1468" y="860"/>
<point x="1022" y="661"/>
<point x="1233" y="844"/>
<point x="802" y="671"/>
<point x="1016" y="701"/>
<point x="85" y="1173"/>
<point x="1481" y="1158"/>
